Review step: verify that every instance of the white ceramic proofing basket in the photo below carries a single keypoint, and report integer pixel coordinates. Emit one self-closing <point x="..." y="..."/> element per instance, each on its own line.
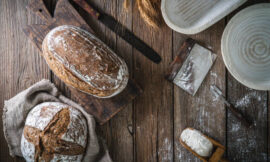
<point x="194" y="16"/>
<point x="245" y="46"/>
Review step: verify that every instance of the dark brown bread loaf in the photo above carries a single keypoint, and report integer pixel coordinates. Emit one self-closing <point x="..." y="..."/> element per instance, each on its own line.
<point x="54" y="132"/>
<point x="84" y="62"/>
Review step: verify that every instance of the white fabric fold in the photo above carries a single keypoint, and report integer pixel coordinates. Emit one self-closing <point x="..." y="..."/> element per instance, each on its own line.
<point x="16" y="109"/>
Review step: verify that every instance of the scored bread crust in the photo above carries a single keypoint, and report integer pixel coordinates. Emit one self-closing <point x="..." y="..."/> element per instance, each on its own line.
<point x="54" y="132"/>
<point x="84" y="62"/>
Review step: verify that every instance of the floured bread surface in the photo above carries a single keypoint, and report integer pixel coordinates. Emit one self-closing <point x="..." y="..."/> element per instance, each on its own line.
<point x="54" y="132"/>
<point x="84" y="62"/>
<point x="197" y="142"/>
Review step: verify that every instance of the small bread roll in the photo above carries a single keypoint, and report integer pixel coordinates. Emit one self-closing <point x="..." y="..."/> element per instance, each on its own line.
<point x="197" y="142"/>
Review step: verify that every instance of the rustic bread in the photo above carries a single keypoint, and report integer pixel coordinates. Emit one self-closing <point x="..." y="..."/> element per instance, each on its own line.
<point x="54" y="132"/>
<point x="84" y="62"/>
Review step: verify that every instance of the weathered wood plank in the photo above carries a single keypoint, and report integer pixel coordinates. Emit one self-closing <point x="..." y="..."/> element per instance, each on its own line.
<point x="154" y="108"/>
<point x="122" y="137"/>
<point x="118" y="138"/>
<point x="103" y="131"/>
<point x="20" y="63"/>
<point x="242" y="144"/>
<point x="153" y="119"/>
<point x="201" y="112"/>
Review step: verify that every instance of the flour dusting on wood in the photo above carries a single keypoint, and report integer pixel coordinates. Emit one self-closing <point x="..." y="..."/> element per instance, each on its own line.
<point x="165" y="151"/>
<point x="248" y="144"/>
<point x="246" y="100"/>
<point x="213" y="74"/>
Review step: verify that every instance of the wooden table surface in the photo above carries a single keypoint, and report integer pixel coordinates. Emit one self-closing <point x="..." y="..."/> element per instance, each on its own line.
<point x="149" y="128"/>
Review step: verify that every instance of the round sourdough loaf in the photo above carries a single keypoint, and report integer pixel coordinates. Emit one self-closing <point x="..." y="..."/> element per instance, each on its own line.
<point x="54" y="132"/>
<point x="84" y="62"/>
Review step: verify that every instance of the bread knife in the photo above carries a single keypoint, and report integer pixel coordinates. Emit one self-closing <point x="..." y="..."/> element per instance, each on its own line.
<point x="120" y="30"/>
<point x="217" y="93"/>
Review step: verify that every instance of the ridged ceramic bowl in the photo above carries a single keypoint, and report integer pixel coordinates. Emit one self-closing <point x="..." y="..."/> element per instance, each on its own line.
<point x="245" y="46"/>
<point x="194" y="16"/>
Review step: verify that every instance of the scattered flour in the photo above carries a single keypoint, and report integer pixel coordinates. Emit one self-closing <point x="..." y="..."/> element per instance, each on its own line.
<point x="235" y="127"/>
<point x="209" y="47"/>
<point x="165" y="152"/>
<point x="213" y="74"/>
<point x="251" y="140"/>
<point x="215" y="98"/>
<point x="246" y="100"/>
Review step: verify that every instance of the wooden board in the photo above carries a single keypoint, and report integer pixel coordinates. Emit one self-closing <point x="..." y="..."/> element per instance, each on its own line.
<point x="156" y="121"/>
<point x="154" y="108"/>
<point x="65" y="14"/>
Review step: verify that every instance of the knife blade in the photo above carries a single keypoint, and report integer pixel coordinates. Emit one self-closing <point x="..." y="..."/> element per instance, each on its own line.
<point x="217" y="93"/>
<point x="120" y="30"/>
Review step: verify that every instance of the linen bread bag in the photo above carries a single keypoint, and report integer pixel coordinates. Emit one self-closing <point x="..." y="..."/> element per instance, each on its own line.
<point x="40" y="124"/>
<point x="84" y="62"/>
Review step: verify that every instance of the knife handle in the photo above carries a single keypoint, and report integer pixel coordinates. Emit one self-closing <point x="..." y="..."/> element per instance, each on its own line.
<point x="238" y="114"/>
<point x="89" y="9"/>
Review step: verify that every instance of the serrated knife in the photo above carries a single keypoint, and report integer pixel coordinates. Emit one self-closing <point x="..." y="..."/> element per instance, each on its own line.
<point x="217" y="93"/>
<point x="120" y="30"/>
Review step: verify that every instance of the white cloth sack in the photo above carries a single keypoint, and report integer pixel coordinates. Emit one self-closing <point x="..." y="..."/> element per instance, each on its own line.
<point x="16" y="109"/>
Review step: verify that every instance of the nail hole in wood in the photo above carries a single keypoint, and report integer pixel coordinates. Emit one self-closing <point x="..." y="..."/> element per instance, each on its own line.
<point x="130" y="129"/>
<point x="40" y="10"/>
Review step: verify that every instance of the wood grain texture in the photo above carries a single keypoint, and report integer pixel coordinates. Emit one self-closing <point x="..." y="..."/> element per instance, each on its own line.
<point x="201" y="111"/>
<point x="154" y="108"/>
<point x="122" y="124"/>
<point x="157" y="118"/>
<point x="115" y="132"/>
<point x="253" y="141"/>
<point x="20" y="63"/>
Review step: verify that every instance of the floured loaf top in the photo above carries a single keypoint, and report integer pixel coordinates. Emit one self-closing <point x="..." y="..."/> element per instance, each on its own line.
<point x="84" y="62"/>
<point x="54" y="132"/>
